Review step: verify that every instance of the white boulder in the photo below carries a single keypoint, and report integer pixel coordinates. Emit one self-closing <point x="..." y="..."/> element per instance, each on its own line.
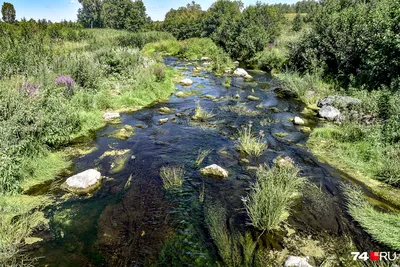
<point x="111" y="115"/>
<point x="241" y="73"/>
<point x="186" y="82"/>
<point x="297" y="262"/>
<point x="84" y="182"/>
<point x="298" y="121"/>
<point x="214" y="171"/>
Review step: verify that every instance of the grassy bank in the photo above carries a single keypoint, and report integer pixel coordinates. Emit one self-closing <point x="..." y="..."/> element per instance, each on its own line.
<point x="55" y="90"/>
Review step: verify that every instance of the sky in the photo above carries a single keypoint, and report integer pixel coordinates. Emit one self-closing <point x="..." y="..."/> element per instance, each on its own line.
<point x="57" y="10"/>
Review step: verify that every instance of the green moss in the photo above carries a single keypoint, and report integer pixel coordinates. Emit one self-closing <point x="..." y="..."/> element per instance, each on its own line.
<point x="281" y="135"/>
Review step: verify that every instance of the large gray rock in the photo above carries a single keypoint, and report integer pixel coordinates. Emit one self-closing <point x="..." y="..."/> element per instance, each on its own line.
<point x="186" y="82"/>
<point x="111" y="116"/>
<point x="214" y="171"/>
<point x="330" y="113"/>
<point x="297" y="262"/>
<point x="339" y="102"/>
<point x="83" y="182"/>
<point x="240" y="72"/>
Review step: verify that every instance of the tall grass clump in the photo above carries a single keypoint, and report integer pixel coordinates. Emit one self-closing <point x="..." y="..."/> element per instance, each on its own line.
<point x="172" y="176"/>
<point x="201" y="114"/>
<point x="250" y="143"/>
<point x="309" y="88"/>
<point x="271" y="196"/>
<point x="384" y="227"/>
<point x="202" y="154"/>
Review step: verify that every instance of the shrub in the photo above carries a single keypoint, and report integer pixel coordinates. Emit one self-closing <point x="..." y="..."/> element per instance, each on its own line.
<point x="272" y="58"/>
<point x="172" y="176"/>
<point x="271" y="196"/>
<point x="120" y="61"/>
<point x="249" y="143"/>
<point x="140" y="39"/>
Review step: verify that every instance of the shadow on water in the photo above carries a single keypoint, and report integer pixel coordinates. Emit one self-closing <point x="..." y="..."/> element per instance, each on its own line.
<point x="132" y="221"/>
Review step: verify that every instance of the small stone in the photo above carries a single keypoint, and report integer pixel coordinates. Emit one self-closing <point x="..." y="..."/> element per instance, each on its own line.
<point x="237" y="96"/>
<point x="133" y="157"/>
<point x="209" y="97"/>
<point x="284" y="162"/>
<point x="205" y="59"/>
<point x="164" y="110"/>
<point x="186" y="82"/>
<point x="306" y="130"/>
<point x="298" y="121"/>
<point x="253" y="98"/>
<point x="293" y="261"/>
<point x="248" y="77"/>
<point x="129" y="128"/>
<point x="180" y="94"/>
<point x="162" y="121"/>
<point x="240" y="72"/>
<point x="141" y="126"/>
<point x="111" y="115"/>
<point x="245" y="161"/>
<point x="214" y="171"/>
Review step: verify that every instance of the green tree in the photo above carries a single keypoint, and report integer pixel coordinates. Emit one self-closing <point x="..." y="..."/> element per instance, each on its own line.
<point x="297" y="23"/>
<point x="185" y="22"/>
<point x="136" y="17"/>
<point x="90" y="13"/>
<point x="8" y="12"/>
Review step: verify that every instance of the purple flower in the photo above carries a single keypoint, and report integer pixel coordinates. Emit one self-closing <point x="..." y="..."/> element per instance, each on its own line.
<point x="66" y="81"/>
<point x="30" y="89"/>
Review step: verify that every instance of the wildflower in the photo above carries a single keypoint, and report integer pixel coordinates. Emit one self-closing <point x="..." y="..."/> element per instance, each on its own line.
<point x="66" y="81"/>
<point x="30" y="89"/>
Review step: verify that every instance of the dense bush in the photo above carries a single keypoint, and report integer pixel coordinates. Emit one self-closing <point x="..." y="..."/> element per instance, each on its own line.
<point x="271" y="59"/>
<point x="354" y="41"/>
<point x="139" y="40"/>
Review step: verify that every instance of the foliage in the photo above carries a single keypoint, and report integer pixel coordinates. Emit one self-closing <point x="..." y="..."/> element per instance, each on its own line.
<point x="271" y="196"/>
<point x="8" y="12"/>
<point x="365" y="55"/>
<point x="297" y="23"/>
<point x="272" y="58"/>
<point x="140" y="39"/>
<point x="89" y="15"/>
<point x="249" y="143"/>
<point x="382" y="226"/>
<point x="172" y="176"/>
<point x="234" y="248"/>
<point x="123" y="14"/>
<point x="202" y="154"/>
<point x="185" y="22"/>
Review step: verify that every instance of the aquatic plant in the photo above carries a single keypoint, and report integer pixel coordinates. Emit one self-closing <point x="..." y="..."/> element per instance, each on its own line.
<point x="201" y="114"/>
<point x="234" y="248"/>
<point x="202" y="154"/>
<point x="172" y="176"/>
<point x="241" y="110"/>
<point x="227" y="82"/>
<point x="271" y="196"/>
<point x="249" y="143"/>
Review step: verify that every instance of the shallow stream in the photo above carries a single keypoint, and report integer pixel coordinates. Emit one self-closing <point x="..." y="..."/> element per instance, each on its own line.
<point x="132" y="221"/>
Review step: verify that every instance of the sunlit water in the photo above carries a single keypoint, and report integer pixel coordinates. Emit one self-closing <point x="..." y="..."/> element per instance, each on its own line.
<point x="131" y="217"/>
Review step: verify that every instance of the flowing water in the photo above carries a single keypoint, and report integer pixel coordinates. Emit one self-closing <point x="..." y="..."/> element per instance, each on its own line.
<point x="132" y="221"/>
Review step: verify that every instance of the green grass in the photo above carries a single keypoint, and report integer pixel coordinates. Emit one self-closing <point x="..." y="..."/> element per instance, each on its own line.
<point x="271" y="196"/>
<point x="309" y="88"/>
<point x="249" y="143"/>
<point x="202" y="154"/>
<point x="172" y="176"/>
<point x="234" y="248"/>
<point x="382" y="226"/>
<point x="201" y="114"/>
<point x="241" y="110"/>
<point x="227" y="82"/>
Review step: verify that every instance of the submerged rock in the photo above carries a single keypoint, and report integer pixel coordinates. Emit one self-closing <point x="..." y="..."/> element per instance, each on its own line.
<point x="298" y="121"/>
<point x="162" y="121"/>
<point x="123" y="133"/>
<point x="164" y="110"/>
<point x="214" y="171"/>
<point x="339" y="102"/>
<point x="285" y="93"/>
<point x="111" y="115"/>
<point x="328" y="112"/>
<point x="83" y="182"/>
<point x="180" y="94"/>
<point x="283" y="162"/>
<point x="240" y="72"/>
<point x="305" y="130"/>
<point x="297" y="262"/>
<point x="253" y="98"/>
<point x="186" y="82"/>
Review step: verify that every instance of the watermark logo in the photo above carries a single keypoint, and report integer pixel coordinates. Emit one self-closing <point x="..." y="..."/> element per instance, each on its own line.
<point x="376" y="256"/>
